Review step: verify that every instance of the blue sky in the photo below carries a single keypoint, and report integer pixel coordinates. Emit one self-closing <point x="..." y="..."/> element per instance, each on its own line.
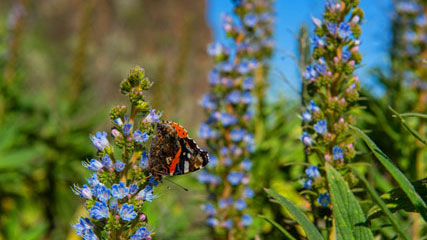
<point x="290" y="15"/>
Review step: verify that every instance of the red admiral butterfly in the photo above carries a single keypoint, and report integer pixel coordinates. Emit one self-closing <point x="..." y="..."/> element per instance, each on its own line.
<point x="173" y="152"/>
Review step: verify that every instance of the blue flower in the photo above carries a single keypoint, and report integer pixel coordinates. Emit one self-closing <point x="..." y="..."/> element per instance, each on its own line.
<point x="153" y="116"/>
<point x="126" y="129"/>
<point x="310" y="73"/>
<point x="246" y="220"/>
<point x="210" y="209"/>
<point x="208" y="102"/>
<point x="233" y="97"/>
<point x="248" y="83"/>
<point x="228" y="161"/>
<point x="247" y="98"/>
<point x="225" y="202"/>
<point x="133" y="188"/>
<point x="84" y="192"/>
<point x="313" y="107"/>
<point x="206" y="132"/>
<point x="248" y="193"/>
<point x="146" y="194"/>
<point x="246" y="164"/>
<point x="228" y="119"/>
<point x="321" y="127"/>
<point x="243" y="68"/>
<point x="127" y="213"/>
<point x="213" y="160"/>
<point x="250" y="20"/>
<point x="216" y="49"/>
<point x="141" y="234"/>
<point x="317" y="22"/>
<point x="106" y="161"/>
<point x="306" y="139"/>
<point x="152" y="181"/>
<point x="306" y="116"/>
<point x="318" y="41"/>
<point x="235" y="177"/>
<point x="140" y="137"/>
<point x="118" y="121"/>
<point x="203" y="176"/>
<point x="308" y="184"/>
<point x="214" y="77"/>
<point x="240" y="204"/>
<point x="228" y="224"/>
<point x="237" y="135"/>
<point x="102" y="192"/>
<point x="323" y="199"/>
<point x="212" y="221"/>
<point x="312" y="171"/>
<point x="337" y="153"/>
<point x="344" y="30"/>
<point x="93" y="181"/>
<point x="346" y="55"/>
<point x="119" y="191"/>
<point x="93" y="165"/>
<point x="332" y="28"/>
<point x="144" y="160"/>
<point x="320" y="68"/>
<point x="99" y="210"/>
<point x="227" y="67"/>
<point x="84" y="229"/>
<point x="100" y="141"/>
<point x="119" y="166"/>
<point x="114" y="204"/>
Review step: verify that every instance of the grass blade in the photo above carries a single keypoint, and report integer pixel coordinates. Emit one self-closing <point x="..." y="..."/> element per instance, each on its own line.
<point x="418" y="115"/>
<point x="310" y="230"/>
<point x="281" y="229"/>
<point x="411" y="130"/>
<point x="400" y="178"/>
<point x="377" y="199"/>
<point x="349" y="217"/>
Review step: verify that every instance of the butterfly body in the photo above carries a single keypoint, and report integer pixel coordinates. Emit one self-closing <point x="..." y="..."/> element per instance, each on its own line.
<point x="174" y="153"/>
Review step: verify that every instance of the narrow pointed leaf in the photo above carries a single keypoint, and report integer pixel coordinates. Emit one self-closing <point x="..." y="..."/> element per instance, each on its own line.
<point x="418" y="115"/>
<point x="411" y="130"/>
<point x="281" y="229"/>
<point x="400" y="178"/>
<point x="310" y="230"/>
<point x="349" y="217"/>
<point x="377" y="199"/>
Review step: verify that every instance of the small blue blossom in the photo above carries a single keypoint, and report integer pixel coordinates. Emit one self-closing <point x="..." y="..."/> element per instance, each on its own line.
<point x="313" y="107"/>
<point x="250" y="20"/>
<point x="133" y="188"/>
<point x="106" y="161"/>
<point x="140" y="137"/>
<point x="84" y="192"/>
<point x="228" y="161"/>
<point x="306" y="116"/>
<point x="127" y="213"/>
<point x="114" y="204"/>
<point x="93" y="181"/>
<point x="228" y="119"/>
<point x="240" y="204"/>
<point x="337" y="153"/>
<point x="310" y="73"/>
<point x="93" y="165"/>
<point x="141" y="234"/>
<point x="320" y="68"/>
<point x="210" y="209"/>
<point x="216" y="49"/>
<point x="317" y="22"/>
<point x="233" y="97"/>
<point x="235" y="177"/>
<point x="308" y="184"/>
<point x="119" y="191"/>
<point x="99" y="210"/>
<point x="332" y="28"/>
<point x="213" y="160"/>
<point x="248" y="192"/>
<point x="152" y="181"/>
<point x="118" y="121"/>
<point x="323" y="199"/>
<point x="306" y="139"/>
<point x="248" y="83"/>
<point x="318" y="41"/>
<point x="206" y="132"/>
<point x="208" y="102"/>
<point x="223" y="203"/>
<point x="312" y="171"/>
<point x="247" y="98"/>
<point x="237" y="135"/>
<point x="321" y="127"/>
<point x="344" y="30"/>
<point x="203" y="177"/>
<point x="102" y="192"/>
<point x="126" y="129"/>
<point x="346" y="55"/>
<point x="243" y="68"/>
<point x="146" y="194"/>
<point x="228" y="224"/>
<point x="214" y="77"/>
<point x="119" y="166"/>
<point x="227" y="67"/>
<point x="84" y="229"/>
<point x="100" y="140"/>
<point x="144" y="160"/>
<point x="246" y="164"/>
<point x="212" y="221"/>
<point x="153" y="116"/>
<point x="246" y="220"/>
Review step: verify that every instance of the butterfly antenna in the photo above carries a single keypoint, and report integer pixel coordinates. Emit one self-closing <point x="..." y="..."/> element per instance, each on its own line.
<point x="185" y="189"/>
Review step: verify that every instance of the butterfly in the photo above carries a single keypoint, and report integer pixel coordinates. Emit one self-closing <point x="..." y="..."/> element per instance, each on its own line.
<point x="172" y="152"/>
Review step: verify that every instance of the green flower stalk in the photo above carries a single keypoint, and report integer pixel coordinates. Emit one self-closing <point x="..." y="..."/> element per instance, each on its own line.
<point x="229" y="128"/>
<point x="333" y="90"/>
<point x="121" y="182"/>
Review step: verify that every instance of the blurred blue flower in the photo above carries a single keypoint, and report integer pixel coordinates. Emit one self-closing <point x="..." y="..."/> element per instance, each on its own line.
<point x="306" y="116"/>
<point x="210" y="209"/>
<point x="306" y="139"/>
<point x="320" y="68"/>
<point x="119" y="191"/>
<point x="310" y="73"/>
<point x="243" y="68"/>
<point x="216" y="49"/>
<point x="308" y="184"/>
<point x="84" y="229"/>
<point x="93" y="165"/>
<point x="344" y="30"/>
<point x="227" y="67"/>
<point x="127" y="213"/>
<point x="228" y="224"/>
<point x="93" y="181"/>
<point x="133" y="188"/>
<point x="99" y="210"/>
<point x="100" y="140"/>
<point x="102" y="192"/>
<point x="208" y="102"/>
<point x="250" y="20"/>
<point x="235" y="177"/>
<point x="332" y="28"/>
<point x="237" y="134"/>
<point x="140" y="137"/>
<point x="318" y="41"/>
<point x="248" y="83"/>
<point x="247" y="98"/>
<point x="119" y="166"/>
<point x="321" y="127"/>
<point x="106" y="161"/>
<point x="240" y="204"/>
<point x="337" y="153"/>
<point x="212" y="221"/>
<point x="146" y="194"/>
<point x="312" y="171"/>
<point x="84" y="192"/>
<point x="323" y="199"/>
<point x="152" y="116"/>
<point x="313" y="107"/>
<point x="346" y="55"/>
<point x="141" y="234"/>
<point x="118" y="121"/>
<point x="246" y="220"/>
<point x="228" y="119"/>
<point x="246" y="164"/>
<point x="126" y="129"/>
<point x="233" y="97"/>
<point x="144" y="160"/>
<point x="214" y="77"/>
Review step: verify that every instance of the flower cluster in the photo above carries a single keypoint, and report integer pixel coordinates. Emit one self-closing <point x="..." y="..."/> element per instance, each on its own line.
<point x="119" y="186"/>
<point x="333" y="90"/>
<point x="228" y="130"/>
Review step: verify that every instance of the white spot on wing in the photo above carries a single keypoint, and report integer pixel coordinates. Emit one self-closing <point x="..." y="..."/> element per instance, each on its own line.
<point x="186" y="167"/>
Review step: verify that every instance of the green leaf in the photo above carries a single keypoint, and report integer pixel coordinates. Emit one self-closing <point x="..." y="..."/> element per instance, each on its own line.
<point x="381" y="204"/>
<point x="281" y="229"/>
<point x="418" y="115"/>
<point x="400" y="178"/>
<point x="310" y="230"/>
<point x="411" y="130"/>
<point x="349" y="217"/>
